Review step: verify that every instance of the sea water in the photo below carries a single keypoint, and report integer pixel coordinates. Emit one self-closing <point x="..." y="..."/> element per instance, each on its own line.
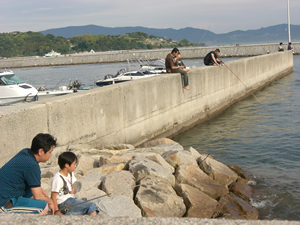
<point x="262" y="137"/>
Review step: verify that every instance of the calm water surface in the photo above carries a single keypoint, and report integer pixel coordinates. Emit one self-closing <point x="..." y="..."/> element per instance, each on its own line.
<point x="263" y="139"/>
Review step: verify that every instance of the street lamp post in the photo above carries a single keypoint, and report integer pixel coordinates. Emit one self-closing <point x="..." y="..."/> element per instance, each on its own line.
<point x="288" y="14"/>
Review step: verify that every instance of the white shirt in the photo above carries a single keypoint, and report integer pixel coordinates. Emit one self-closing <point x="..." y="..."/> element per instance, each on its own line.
<point x="58" y="184"/>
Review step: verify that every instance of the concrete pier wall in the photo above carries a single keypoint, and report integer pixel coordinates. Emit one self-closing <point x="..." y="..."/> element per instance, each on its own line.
<point x="121" y="56"/>
<point x="136" y="111"/>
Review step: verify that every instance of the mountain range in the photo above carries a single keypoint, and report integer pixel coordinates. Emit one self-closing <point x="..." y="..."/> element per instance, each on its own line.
<point x="271" y="34"/>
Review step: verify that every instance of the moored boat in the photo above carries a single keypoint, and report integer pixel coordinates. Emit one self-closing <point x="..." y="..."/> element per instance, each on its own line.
<point x="14" y="90"/>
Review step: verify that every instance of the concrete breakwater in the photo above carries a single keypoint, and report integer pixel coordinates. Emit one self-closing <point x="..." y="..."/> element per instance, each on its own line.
<point x="121" y="56"/>
<point x="157" y="179"/>
<point x="135" y="112"/>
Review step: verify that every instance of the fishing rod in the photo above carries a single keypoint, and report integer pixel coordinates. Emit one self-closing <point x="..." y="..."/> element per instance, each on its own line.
<point x="109" y="194"/>
<point x="203" y="159"/>
<point x="239" y="79"/>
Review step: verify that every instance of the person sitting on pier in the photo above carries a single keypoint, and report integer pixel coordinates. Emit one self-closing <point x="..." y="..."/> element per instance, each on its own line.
<point x="20" y="179"/>
<point x="178" y="62"/>
<point x="212" y="58"/>
<point x="290" y="47"/>
<point x="171" y="68"/>
<point x="280" y="47"/>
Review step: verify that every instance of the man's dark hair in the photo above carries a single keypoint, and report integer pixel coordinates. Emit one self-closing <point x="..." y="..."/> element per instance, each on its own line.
<point x="217" y="50"/>
<point x="66" y="157"/>
<point x="44" y="141"/>
<point x="175" y="50"/>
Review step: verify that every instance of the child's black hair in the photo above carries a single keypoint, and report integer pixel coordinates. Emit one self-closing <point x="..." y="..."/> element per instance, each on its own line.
<point x="66" y="157"/>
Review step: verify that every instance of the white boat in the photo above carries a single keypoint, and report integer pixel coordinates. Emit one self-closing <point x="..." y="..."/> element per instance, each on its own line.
<point x="145" y="69"/>
<point x="14" y="90"/>
<point x="52" y="54"/>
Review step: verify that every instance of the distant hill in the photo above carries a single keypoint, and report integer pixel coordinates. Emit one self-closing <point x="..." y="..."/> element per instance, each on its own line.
<point x="271" y="34"/>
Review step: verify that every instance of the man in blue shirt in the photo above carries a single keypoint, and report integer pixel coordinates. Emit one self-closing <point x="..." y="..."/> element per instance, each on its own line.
<point x="20" y="179"/>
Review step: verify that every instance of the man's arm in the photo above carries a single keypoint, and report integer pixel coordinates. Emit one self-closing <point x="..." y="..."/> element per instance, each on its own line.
<point x="38" y="194"/>
<point x="213" y="57"/>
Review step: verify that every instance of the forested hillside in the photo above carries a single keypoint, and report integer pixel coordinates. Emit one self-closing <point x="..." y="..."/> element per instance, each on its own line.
<point x="38" y="44"/>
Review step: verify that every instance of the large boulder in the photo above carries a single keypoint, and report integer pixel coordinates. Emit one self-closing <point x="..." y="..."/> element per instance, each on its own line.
<point x="119" y="183"/>
<point x="243" y="191"/>
<point x="176" y="158"/>
<point x="236" y="207"/>
<point x="109" y="168"/>
<point x="157" y="198"/>
<point x="194" y="153"/>
<point x="149" y="155"/>
<point x="90" y="180"/>
<point x="156" y="149"/>
<point x="119" y="206"/>
<point x="216" y="170"/>
<point x="85" y="162"/>
<point x="243" y="177"/>
<point x="159" y="141"/>
<point x="195" y="177"/>
<point x="141" y="167"/>
<point x="197" y="203"/>
<point x="105" y="159"/>
<point x="90" y="193"/>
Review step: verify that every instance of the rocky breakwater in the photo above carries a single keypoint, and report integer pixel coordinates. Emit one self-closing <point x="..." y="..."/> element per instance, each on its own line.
<point x="159" y="179"/>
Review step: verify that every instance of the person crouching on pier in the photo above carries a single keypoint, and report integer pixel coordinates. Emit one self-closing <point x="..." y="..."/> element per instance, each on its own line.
<point x="171" y="68"/>
<point x="212" y="58"/>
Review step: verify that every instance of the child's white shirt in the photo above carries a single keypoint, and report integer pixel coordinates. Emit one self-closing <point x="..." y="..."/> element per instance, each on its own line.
<point x="58" y="184"/>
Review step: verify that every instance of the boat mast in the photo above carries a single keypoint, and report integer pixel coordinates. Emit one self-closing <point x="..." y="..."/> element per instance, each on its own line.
<point x="289" y="25"/>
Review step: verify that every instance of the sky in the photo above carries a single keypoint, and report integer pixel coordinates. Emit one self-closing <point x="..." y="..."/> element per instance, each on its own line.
<point x="219" y="17"/>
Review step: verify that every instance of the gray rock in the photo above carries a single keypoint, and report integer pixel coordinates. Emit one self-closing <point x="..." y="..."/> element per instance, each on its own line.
<point x="85" y="162"/>
<point x="217" y="171"/>
<point x="109" y="159"/>
<point x="110" y="168"/>
<point x="141" y="167"/>
<point x="195" y="177"/>
<point x="119" y="147"/>
<point x="243" y="191"/>
<point x="157" y="198"/>
<point x="156" y="142"/>
<point x="119" y="183"/>
<point x="243" y="177"/>
<point x="149" y="155"/>
<point x="194" y="152"/>
<point x="90" y="180"/>
<point x="198" y="204"/>
<point x="176" y="158"/>
<point x="119" y="206"/>
<point x="90" y="193"/>
<point x="236" y="207"/>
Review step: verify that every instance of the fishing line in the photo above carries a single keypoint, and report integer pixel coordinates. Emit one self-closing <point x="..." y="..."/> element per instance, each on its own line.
<point x="239" y="80"/>
<point x="210" y="25"/>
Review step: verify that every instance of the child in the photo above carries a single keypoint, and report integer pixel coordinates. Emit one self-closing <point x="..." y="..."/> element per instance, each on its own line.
<point x="62" y="188"/>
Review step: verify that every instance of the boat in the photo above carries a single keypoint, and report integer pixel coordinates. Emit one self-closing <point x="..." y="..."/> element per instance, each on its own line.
<point x="13" y="90"/>
<point x="52" y="54"/>
<point x="145" y="69"/>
